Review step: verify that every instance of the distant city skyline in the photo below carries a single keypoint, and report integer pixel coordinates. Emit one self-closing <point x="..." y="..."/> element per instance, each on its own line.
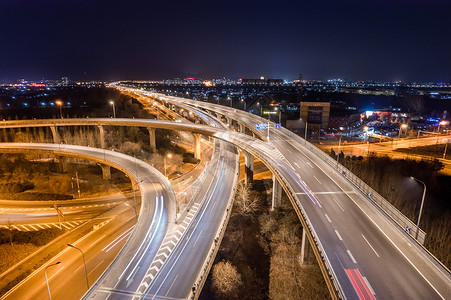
<point x="383" y="40"/>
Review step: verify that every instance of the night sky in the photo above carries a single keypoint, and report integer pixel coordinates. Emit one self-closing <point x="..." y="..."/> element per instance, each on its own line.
<point x="383" y="40"/>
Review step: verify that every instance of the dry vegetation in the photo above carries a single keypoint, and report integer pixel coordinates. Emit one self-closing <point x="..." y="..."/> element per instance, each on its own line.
<point x="264" y="247"/>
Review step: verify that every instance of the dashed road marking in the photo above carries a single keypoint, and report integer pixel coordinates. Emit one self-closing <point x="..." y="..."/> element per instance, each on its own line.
<point x="352" y="257"/>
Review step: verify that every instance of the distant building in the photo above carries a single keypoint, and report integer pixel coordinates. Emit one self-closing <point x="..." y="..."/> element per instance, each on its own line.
<point x="262" y="81"/>
<point x="316" y="113"/>
<point x="65" y="81"/>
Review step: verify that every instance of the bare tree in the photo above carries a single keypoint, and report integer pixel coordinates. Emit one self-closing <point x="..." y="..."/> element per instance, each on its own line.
<point x="246" y="203"/>
<point x="9" y="224"/>
<point x="226" y="279"/>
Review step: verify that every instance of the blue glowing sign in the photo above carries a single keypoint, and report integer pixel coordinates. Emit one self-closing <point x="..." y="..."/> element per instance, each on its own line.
<point x="261" y="126"/>
<point x="433" y="120"/>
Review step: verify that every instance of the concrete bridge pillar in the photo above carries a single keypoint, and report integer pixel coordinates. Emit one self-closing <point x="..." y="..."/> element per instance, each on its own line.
<point x="106" y="171"/>
<point x="303" y="241"/>
<point x="248" y="168"/>
<point x="276" y="192"/>
<point x="241" y="127"/>
<point x="56" y="137"/>
<point x="102" y="136"/>
<point x="229" y="122"/>
<point x="2" y="158"/>
<point x="196" y="145"/>
<point x="153" y="144"/>
<point x="307" y="255"/>
<point x="62" y="163"/>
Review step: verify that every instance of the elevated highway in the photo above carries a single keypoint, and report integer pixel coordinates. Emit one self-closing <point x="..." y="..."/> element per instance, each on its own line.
<point x="344" y="224"/>
<point x="361" y="251"/>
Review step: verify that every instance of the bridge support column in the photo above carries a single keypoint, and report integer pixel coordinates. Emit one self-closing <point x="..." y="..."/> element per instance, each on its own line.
<point x="307" y="255"/>
<point x="241" y="127"/>
<point x="304" y="237"/>
<point x="153" y="144"/>
<point x="102" y="136"/>
<point x="56" y="137"/>
<point x="248" y="168"/>
<point x="62" y="162"/>
<point x="106" y="171"/>
<point x="196" y="145"/>
<point x="2" y="158"/>
<point x="276" y="192"/>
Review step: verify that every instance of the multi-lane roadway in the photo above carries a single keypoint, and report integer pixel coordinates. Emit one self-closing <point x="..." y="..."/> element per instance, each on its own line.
<point x="369" y="256"/>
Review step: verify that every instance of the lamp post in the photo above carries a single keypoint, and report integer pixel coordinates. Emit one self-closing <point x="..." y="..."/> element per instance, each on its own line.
<point x="167" y="156"/>
<point x="244" y="103"/>
<point x="421" y="206"/>
<point x="400" y="129"/>
<point x="442" y="123"/>
<point x="46" y="279"/>
<point x="84" y="262"/>
<point x="60" y="104"/>
<point x="365" y="128"/>
<point x="114" y="109"/>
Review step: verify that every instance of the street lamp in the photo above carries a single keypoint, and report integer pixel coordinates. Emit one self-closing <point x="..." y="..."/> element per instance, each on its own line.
<point x="84" y="262"/>
<point x="244" y="102"/>
<point x="167" y="156"/>
<point x="46" y="279"/>
<point x="114" y="109"/>
<point x="442" y="123"/>
<point x="403" y="126"/>
<point x="421" y="206"/>
<point x="279" y="113"/>
<point x="60" y="104"/>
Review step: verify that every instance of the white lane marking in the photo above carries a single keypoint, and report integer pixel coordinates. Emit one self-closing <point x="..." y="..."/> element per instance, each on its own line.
<point x="310" y="165"/>
<point x="211" y="209"/>
<point x="176" y="276"/>
<point x="369" y="285"/>
<point x="327" y="217"/>
<point x="328" y="193"/>
<point x="338" y="234"/>
<point x="62" y="224"/>
<point x="53" y="275"/>
<point x="297" y="165"/>
<point x="370" y="245"/>
<point x="197" y="237"/>
<point x="125" y="232"/>
<point x="317" y="179"/>
<point x="352" y="257"/>
<point x="97" y="240"/>
<point x="23" y="226"/>
<point x="338" y="204"/>
<point x="96" y="267"/>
